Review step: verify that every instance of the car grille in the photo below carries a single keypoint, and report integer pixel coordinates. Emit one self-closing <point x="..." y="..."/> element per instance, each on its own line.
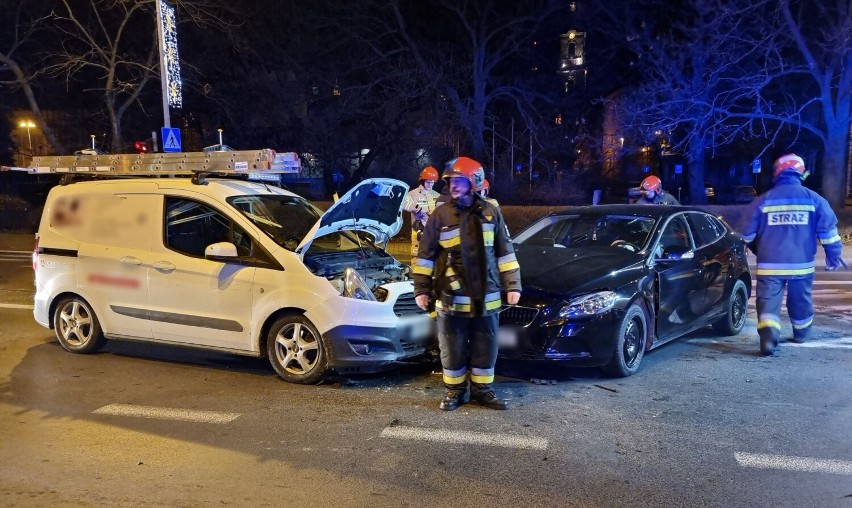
<point x="520" y="316"/>
<point x="405" y="305"/>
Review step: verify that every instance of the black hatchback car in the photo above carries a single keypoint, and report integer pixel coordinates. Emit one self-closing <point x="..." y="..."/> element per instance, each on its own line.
<point x="604" y="284"/>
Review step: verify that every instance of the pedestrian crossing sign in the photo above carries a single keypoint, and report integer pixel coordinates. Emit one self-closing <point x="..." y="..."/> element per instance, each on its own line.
<point x="171" y="139"/>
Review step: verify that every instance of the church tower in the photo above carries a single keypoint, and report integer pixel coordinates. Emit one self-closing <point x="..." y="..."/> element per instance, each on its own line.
<point x="572" y="65"/>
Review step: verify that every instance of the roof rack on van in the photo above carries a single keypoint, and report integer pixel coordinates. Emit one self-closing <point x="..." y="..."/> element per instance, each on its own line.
<point x="251" y="163"/>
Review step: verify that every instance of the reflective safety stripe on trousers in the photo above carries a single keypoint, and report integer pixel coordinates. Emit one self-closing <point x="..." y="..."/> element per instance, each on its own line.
<point x="768" y="321"/>
<point x="455" y="377"/>
<point x="785" y="268"/>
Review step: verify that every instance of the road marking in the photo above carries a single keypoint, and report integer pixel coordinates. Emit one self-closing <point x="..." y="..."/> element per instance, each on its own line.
<point x="842" y="343"/>
<point x="15" y="306"/>
<point x="465" y="437"/>
<point x="166" y="413"/>
<point x="790" y="463"/>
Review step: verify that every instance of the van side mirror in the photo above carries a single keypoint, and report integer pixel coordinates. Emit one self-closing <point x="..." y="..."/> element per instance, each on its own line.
<point x="221" y="251"/>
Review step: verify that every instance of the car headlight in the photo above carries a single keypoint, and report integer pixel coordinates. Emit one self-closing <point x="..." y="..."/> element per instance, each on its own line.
<point x="354" y="286"/>
<point x="589" y="305"/>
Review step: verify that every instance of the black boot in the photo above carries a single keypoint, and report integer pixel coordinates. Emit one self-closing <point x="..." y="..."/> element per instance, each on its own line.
<point x="768" y="345"/>
<point x="452" y="400"/>
<point x="489" y="399"/>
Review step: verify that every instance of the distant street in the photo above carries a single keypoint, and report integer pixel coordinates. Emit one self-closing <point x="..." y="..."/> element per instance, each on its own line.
<point x="706" y="422"/>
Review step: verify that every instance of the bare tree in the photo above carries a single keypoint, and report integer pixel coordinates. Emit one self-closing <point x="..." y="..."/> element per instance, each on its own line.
<point x="815" y="41"/>
<point x="716" y="72"/>
<point x="20" y="21"/>
<point x="697" y="68"/>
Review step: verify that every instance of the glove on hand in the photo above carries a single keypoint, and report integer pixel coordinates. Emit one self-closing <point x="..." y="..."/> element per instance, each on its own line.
<point x="834" y="263"/>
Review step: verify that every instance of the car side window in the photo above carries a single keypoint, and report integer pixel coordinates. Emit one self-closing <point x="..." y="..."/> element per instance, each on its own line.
<point x="191" y="226"/>
<point x="704" y="229"/>
<point x="675" y="234"/>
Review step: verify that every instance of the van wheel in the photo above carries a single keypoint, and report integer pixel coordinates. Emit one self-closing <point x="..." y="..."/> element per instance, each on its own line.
<point x="77" y="327"/>
<point x="296" y="350"/>
<point x="733" y="321"/>
<point x="629" y="344"/>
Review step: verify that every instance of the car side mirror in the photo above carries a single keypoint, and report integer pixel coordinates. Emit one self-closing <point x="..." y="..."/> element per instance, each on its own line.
<point x="221" y="251"/>
<point x="678" y="252"/>
<point x="541" y="241"/>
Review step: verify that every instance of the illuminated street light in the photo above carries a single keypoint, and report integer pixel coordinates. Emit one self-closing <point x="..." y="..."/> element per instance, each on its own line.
<point x="28" y="124"/>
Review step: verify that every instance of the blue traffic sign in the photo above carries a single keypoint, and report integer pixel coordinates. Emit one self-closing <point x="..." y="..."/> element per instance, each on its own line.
<point x="755" y="166"/>
<point x="171" y="139"/>
<point x="678" y="169"/>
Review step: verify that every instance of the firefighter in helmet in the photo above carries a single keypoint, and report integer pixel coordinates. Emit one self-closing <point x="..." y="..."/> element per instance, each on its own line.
<point x="466" y="260"/>
<point x="486" y="193"/>
<point x="783" y="227"/>
<point x="652" y="193"/>
<point x="421" y="203"/>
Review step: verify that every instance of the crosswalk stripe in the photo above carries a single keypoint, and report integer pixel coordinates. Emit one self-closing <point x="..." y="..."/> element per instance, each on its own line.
<point x="845" y="343"/>
<point x="465" y="437"/>
<point x="166" y="413"/>
<point x="790" y="463"/>
<point x="15" y="306"/>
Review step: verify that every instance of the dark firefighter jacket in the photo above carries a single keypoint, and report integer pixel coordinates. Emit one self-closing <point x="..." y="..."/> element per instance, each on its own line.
<point x="784" y="225"/>
<point x="466" y="259"/>
<point x="661" y="198"/>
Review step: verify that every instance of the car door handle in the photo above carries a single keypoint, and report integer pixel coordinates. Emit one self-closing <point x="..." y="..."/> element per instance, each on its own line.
<point x="164" y="266"/>
<point x="130" y="260"/>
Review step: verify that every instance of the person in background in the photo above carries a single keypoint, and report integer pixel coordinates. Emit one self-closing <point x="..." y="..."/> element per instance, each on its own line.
<point x="782" y="228"/>
<point x="652" y="193"/>
<point x="486" y="192"/>
<point x="465" y="261"/>
<point x="421" y="202"/>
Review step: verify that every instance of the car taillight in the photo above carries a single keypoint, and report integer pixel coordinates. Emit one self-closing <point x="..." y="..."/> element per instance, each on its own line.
<point x="35" y="253"/>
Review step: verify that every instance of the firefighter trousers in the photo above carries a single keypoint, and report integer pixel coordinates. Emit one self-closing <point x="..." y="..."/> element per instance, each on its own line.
<point x="468" y="348"/>
<point x="770" y="293"/>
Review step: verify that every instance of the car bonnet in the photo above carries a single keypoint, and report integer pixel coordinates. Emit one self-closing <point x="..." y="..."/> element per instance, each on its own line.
<point x="373" y="206"/>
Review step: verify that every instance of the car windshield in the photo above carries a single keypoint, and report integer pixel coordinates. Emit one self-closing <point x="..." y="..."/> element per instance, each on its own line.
<point x="589" y="231"/>
<point x="287" y="219"/>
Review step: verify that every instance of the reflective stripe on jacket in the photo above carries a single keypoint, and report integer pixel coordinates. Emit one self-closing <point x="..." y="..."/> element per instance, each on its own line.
<point x="784" y="225"/>
<point x="466" y="259"/>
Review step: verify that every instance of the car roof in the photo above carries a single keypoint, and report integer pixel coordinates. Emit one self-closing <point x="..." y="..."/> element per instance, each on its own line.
<point x="220" y="188"/>
<point x="655" y="211"/>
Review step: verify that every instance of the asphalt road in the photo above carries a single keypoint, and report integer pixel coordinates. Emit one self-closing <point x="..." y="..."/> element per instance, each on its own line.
<point x="706" y="422"/>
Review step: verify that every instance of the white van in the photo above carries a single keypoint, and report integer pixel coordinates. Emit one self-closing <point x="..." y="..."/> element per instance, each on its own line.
<point x="230" y="265"/>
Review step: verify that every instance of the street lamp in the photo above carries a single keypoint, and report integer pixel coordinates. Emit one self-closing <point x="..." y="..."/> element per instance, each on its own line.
<point x="28" y="124"/>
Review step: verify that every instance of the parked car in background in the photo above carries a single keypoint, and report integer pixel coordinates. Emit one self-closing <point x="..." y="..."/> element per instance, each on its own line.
<point x="604" y="284"/>
<point x="736" y="194"/>
<point x="709" y="192"/>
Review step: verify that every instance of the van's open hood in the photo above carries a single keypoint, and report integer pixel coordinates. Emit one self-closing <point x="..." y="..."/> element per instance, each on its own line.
<point x="373" y="206"/>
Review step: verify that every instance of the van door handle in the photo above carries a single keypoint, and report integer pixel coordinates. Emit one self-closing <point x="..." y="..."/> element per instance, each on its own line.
<point x="164" y="266"/>
<point x="130" y="260"/>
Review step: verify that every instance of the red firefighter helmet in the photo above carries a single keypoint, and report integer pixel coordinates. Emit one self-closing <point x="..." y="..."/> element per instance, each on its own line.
<point x="429" y="174"/>
<point x="486" y="188"/>
<point x="792" y="162"/>
<point x="465" y="167"/>
<point x="652" y="183"/>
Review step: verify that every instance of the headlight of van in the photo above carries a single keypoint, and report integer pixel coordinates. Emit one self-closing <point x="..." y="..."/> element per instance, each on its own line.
<point x="354" y="286"/>
<point x="589" y="305"/>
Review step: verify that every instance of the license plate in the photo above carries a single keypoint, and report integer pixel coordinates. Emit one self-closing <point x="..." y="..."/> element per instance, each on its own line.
<point x="507" y="337"/>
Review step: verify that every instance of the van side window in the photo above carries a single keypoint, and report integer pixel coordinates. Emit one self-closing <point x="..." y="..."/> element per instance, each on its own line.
<point x="191" y="226"/>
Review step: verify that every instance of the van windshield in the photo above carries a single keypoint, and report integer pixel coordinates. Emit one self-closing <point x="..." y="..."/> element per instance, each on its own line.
<point x="287" y="219"/>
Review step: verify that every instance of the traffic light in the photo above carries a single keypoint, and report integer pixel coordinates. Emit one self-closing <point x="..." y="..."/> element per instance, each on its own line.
<point x="141" y="147"/>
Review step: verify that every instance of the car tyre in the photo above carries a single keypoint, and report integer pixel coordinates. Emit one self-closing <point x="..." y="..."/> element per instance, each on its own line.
<point x="296" y="350"/>
<point x="629" y="344"/>
<point x="76" y="326"/>
<point x="733" y="321"/>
